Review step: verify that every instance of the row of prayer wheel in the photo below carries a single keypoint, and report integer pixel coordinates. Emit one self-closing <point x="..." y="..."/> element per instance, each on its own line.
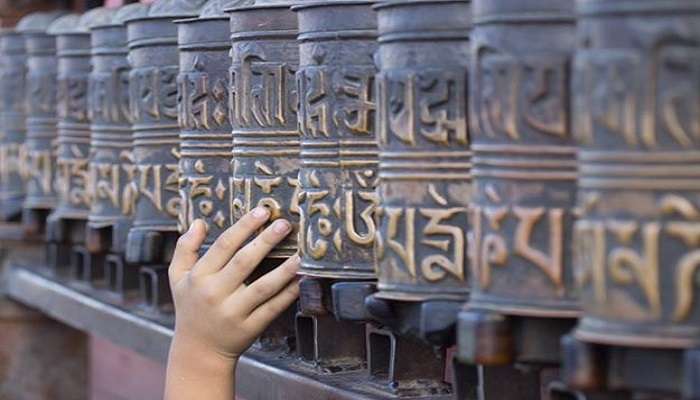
<point x="511" y="176"/>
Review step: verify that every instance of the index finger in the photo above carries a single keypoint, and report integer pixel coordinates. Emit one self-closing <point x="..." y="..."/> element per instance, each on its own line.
<point x="230" y="241"/>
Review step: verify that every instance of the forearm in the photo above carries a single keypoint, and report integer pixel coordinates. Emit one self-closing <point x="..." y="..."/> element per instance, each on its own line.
<point x="196" y="373"/>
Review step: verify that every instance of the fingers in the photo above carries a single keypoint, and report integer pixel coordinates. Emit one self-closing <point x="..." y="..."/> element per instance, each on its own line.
<point x="267" y="312"/>
<point x="248" y="258"/>
<point x="268" y="285"/>
<point x="230" y="241"/>
<point x="186" y="251"/>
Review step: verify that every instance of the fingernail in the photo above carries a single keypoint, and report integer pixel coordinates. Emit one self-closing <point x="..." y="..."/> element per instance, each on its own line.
<point x="260" y="212"/>
<point x="281" y="226"/>
<point x="192" y="226"/>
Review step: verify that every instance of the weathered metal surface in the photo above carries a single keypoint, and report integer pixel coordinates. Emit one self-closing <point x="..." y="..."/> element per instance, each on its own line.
<point x="635" y="109"/>
<point x="524" y="162"/>
<point x="73" y="51"/>
<point x="113" y="189"/>
<point x="111" y="161"/>
<point x="13" y="70"/>
<point x="153" y="55"/>
<point x="523" y="296"/>
<point x="263" y="99"/>
<point x="205" y="130"/>
<point x="424" y="159"/>
<point x="66" y="224"/>
<point x="337" y="108"/>
<point x="39" y="161"/>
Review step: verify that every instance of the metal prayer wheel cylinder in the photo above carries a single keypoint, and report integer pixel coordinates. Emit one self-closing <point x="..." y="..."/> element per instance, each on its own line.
<point x="337" y="112"/>
<point x="425" y="182"/>
<point x="66" y="224"/>
<point x="40" y="196"/>
<point x="424" y="178"/>
<point x="524" y="168"/>
<point x="636" y="255"/>
<point x="153" y="55"/>
<point x="205" y="131"/>
<point x="635" y="108"/>
<point x="263" y="100"/>
<point x="112" y="172"/>
<point x="13" y="70"/>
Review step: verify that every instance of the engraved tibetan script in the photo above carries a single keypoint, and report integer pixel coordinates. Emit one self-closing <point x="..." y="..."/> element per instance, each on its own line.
<point x="516" y="95"/>
<point x="153" y="94"/>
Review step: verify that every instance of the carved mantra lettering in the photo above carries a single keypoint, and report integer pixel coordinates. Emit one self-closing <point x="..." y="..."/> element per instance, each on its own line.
<point x="491" y="246"/>
<point x="517" y="94"/>
<point x="338" y="198"/>
<point x="107" y="184"/>
<point x="201" y="194"/>
<point x="423" y="111"/>
<point x="157" y="183"/>
<point x="203" y="107"/>
<point x="42" y="93"/>
<point x="39" y="171"/>
<point x="648" y="104"/>
<point x="13" y="85"/>
<point x="72" y="99"/>
<point x="618" y="254"/>
<point x="153" y="94"/>
<point x="327" y="219"/>
<point x="109" y="96"/>
<point x="202" y="103"/>
<point x="428" y="104"/>
<point x="446" y="241"/>
<point x="10" y="156"/>
<point x="336" y="101"/>
<point x="248" y="193"/>
<point x="73" y="178"/>
<point x="262" y="93"/>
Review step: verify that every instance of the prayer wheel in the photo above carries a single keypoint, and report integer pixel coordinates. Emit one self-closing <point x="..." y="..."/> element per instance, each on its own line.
<point x="205" y="130"/>
<point x="424" y="166"/>
<point x="338" y="176"/>
<point x="66" y="224"/>
<point x="153" y="55"/>
<point x="635" y="109"/>
<point x="262" y="111"/>
<point x="424" y="159"/>
<point x="337" y="112"/>
<point x="524" y="169"/>
<point x="424" y="189"/>
<point x="263" y="101"/>
<point x="40" y="160"/>
<point x="13" y="70"/>
<point x="112" y="171"/>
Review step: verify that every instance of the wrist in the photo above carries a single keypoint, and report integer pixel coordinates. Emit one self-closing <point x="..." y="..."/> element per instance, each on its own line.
<point x="196" y="370"/>
<point x="195" y="352"/>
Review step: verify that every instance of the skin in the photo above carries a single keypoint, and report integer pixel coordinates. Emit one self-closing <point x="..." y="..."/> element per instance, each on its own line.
<point x="218" y="316"/>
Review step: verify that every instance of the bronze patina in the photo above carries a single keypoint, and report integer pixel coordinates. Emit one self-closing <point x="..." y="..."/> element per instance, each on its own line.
<point x="338" y="175"/>
<point x="424" y="186"/>
<point x="13" y="112"/>
<point x="154" y="61"/>
<point x="524" y="168"/>
<point x="424" y="163"/>
<point x="66" y="224"/>
<point x="635" y="108"/>
<point x="205" y="129"/>
<point x="39" y="146"/>
<point x="263" y="100"/>
<point x="112" y="172"/>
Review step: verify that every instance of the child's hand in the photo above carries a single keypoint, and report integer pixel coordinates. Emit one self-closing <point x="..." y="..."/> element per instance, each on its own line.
<point x="217" y="315"/>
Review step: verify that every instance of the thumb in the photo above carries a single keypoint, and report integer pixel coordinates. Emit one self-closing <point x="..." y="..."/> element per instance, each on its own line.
<point x="187" y="251"/>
